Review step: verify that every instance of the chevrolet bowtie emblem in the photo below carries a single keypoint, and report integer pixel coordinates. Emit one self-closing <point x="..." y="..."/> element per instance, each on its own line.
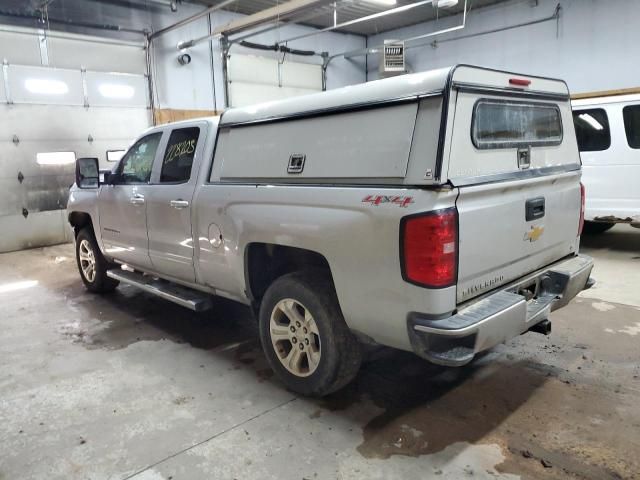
<point x="534" y="234"/>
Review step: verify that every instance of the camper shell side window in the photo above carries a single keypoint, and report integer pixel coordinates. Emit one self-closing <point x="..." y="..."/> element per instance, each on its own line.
<point x="514" y="124"/>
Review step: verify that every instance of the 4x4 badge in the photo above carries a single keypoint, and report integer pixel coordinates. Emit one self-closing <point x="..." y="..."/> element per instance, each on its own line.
<point x="401" y="201"/>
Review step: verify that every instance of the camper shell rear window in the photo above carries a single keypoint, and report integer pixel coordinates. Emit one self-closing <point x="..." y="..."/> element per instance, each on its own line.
<point x="514" y="124"/>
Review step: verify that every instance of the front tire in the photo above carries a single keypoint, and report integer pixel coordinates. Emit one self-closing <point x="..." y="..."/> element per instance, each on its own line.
<point x="595" y="228"/>
<point x="304" y="336"/>
<point x="92" y="265"/>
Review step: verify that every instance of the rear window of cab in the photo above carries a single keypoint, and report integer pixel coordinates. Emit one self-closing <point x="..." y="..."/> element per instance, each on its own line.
<point x="515" y="124"/>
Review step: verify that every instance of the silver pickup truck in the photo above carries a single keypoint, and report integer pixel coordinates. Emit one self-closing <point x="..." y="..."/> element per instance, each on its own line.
<point x="437" y="212"/>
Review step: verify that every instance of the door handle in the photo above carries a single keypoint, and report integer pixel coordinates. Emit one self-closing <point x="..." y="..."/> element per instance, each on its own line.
<point x="534" y="208"/>
<point x="137" y="199"/>
<point x="179" y="203"/>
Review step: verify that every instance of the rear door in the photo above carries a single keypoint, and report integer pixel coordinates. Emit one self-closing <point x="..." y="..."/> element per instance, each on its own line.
<point x="169" y="202"/>
<point x="514" y="157"/>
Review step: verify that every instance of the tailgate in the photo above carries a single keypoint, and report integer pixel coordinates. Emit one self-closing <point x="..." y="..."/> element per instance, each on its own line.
<point x="497" y="244"/>
<point x="513" y="155"/>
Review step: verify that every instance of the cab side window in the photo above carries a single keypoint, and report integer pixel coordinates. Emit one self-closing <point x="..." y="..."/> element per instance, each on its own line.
<point x="178" y="157"/>
<point x="135" y="166"/>
<point x="592" y="129"/>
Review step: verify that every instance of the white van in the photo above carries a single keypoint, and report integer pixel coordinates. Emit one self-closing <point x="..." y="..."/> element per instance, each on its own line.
<point x="608" y="132"/>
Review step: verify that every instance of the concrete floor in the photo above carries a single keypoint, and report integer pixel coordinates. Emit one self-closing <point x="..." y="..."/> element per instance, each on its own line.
<point x="128" y="386"/>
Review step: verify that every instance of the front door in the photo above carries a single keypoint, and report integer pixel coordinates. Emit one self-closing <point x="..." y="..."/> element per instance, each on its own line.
<point x="169" y="202"/>
<point x="123" y="208"/>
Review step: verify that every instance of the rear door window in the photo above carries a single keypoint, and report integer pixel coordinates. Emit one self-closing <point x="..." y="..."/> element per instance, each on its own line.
<point x="178" y="157"/>
<point x="631" y="116"/>
<point x="592" y="129"/>
<point x="509" y="124"/>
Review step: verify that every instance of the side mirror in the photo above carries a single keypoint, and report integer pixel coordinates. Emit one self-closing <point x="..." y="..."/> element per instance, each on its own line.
<point x="87" y="173"/>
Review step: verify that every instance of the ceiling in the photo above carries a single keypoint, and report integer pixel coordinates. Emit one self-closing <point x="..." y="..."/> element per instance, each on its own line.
<point x="115" y="18"/>
<point x="352" y="9"/>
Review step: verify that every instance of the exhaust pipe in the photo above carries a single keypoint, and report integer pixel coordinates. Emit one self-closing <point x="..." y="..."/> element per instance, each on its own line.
<point x="544" y="327"/>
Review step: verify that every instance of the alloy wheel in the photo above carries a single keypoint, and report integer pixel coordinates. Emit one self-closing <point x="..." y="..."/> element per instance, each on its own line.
<point x="87" y="261"/>
<point x="295" y="337"/>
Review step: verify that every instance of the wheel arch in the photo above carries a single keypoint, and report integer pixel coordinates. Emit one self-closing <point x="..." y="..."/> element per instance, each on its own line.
<point x="79" y="220"/>
<point x="265" y="262"/>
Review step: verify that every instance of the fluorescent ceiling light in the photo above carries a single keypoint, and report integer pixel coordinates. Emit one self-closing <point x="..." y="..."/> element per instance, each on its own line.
<point x="55" y="158"/>
<point x="383" y="2"/>
<point x="116" y="90"/>
<point x="46" y="86"/>
<point x="12" y="287"/>
<point x="446" y="3"/>
<point x="591" y="121"/>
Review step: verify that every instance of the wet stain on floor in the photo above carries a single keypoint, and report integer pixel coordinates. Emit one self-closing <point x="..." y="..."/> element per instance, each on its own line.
<point x="128" y="315"/>
<point x="432" y="413"/>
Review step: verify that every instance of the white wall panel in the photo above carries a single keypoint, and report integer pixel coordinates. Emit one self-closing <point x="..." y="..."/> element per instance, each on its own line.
<point x="44" y="85"/>
<point x="253" y="69"/>
<point x="49" y="123"/>
<point x="254" y="79"/>
<point x="113" y="89"/>
<point x="183" y="86"/>
<point x="242" y="94"/>
<point x="302" y="75"/>
<point x="20" y="48"/>
<point x="101" y="57"/>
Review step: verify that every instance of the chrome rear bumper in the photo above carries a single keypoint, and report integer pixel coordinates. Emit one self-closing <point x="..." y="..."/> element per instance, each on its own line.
<point x="500" y="316"/>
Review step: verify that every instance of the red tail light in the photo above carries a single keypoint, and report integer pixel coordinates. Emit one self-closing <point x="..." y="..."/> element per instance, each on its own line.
<point x="582" y="200"/>
<point x="429" y="248"/>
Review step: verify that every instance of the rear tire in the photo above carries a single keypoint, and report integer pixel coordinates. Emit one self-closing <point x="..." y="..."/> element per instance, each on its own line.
<point x="595" y="228"/>
<point x="304" y="336"/>
<point x="92" y="265"/>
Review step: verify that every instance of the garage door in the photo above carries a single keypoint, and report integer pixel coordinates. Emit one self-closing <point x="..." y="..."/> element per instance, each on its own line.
<point x="48" y="118"/>
<point x="253" y="79"/>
